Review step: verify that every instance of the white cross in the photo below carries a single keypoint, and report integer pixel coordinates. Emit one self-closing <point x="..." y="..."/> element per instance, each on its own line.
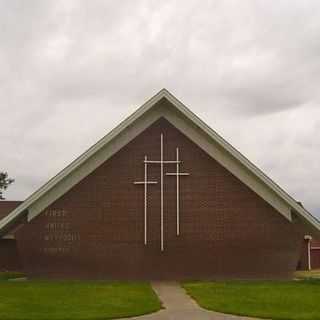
<point x="178" y="174"/>
<point x="146" y="182"/>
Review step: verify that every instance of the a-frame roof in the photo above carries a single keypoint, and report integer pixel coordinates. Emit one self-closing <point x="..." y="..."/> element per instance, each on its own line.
<point x="193" y="127"/>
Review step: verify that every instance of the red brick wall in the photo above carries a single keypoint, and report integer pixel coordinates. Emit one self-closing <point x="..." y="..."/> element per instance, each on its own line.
<point x="303" y="261"/>
<point x="96" y="229"/>
<point x="7" y="206"/>
<point x="315" y="258"/>
<point x="9" y="259"/>
<point x="315" y="253"/>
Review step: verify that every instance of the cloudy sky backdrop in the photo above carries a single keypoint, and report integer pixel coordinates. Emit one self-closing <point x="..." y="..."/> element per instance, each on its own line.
<point x="71" y="70"/>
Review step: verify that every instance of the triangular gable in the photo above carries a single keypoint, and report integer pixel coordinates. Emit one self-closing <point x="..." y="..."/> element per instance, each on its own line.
<point x="185" y="121"/>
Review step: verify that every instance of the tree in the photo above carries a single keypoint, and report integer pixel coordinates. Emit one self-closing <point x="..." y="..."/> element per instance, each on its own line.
<point x="5" y="181"/>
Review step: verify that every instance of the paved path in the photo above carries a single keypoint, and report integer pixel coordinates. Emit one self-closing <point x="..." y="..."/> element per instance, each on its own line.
<point x="179" y="306"/>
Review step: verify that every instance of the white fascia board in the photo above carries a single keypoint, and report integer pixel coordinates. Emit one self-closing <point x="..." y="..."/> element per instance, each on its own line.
<point x="8" y="237"/>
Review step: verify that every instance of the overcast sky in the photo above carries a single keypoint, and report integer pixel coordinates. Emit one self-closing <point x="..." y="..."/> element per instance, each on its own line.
<point x="71" y="70"/>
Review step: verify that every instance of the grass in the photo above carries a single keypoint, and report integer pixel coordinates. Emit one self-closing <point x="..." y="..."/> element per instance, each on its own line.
<point x="78" y="300"/>
<point x="285" y="300"/>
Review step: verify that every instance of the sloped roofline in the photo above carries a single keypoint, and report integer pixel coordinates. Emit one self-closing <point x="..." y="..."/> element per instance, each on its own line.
<point x="33" y="198"/>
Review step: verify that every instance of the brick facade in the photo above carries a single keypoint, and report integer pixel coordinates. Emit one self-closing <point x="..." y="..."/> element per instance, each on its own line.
<point x="9" y="258"/>
<point x="96" y="229"/>
<point x="7" y="206"/>
<point x="315" y="254"/>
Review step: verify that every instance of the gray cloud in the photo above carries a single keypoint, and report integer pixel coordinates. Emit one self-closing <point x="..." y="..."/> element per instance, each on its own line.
<point x="71" y="70"/>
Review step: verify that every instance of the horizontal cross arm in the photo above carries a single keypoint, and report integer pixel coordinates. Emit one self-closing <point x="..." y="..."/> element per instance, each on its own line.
<point x="145" y="182"/>
<point x="159" y="161"/>
<point x="177" y="174"/>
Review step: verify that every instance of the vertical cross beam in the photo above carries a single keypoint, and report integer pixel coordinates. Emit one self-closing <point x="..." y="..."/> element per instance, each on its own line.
<point x="161" y="201"/>
<point x="145" y="199"/>
<point x="177" y="183"/>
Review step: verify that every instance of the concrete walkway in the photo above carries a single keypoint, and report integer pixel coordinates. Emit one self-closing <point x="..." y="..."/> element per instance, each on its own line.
<point x="179" y="306"/>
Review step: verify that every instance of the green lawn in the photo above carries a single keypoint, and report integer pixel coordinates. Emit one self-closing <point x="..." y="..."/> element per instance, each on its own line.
<point x="78" y="300"/>
<point x="286" y="300"/>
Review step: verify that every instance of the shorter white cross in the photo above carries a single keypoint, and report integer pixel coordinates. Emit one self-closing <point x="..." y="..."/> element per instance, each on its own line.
<point x="145" y="183"/>
<point x="178" y="174"/>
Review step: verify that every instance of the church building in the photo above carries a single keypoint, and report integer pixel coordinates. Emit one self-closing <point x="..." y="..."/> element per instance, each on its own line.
<point x="162" y="196"/>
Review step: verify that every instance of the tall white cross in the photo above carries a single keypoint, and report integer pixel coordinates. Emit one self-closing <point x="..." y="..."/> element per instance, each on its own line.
<point x="146" y="182"/>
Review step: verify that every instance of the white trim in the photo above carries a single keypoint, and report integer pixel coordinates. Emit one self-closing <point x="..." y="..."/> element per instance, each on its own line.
<point x="309" y="256"/>
<point x="126" y="131"/>
<point x="9" y="237"/>
<point x="308" y="238"/>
